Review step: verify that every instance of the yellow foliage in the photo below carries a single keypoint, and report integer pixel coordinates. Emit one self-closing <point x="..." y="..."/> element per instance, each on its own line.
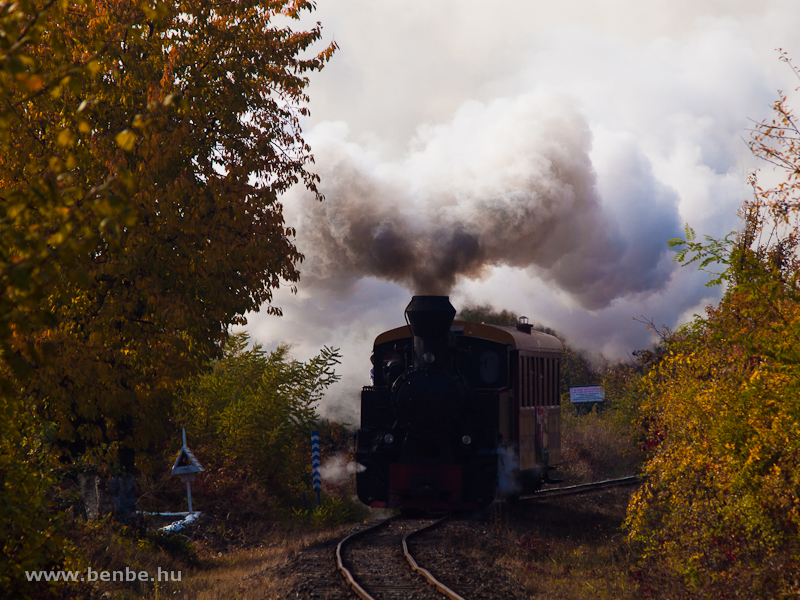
<point x="720" y="509"/>
<point x="101" y="315"/>
<point x="721" y="417"/>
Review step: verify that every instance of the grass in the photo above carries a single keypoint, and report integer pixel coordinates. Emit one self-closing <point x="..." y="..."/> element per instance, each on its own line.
<point x="246" y="574"/>
<point x="574" y="547"/>
<point x="596" y="446"/>
<point x="567" y="548"/>
<point x="208" y="571"/>
<point x="231" y="552"/>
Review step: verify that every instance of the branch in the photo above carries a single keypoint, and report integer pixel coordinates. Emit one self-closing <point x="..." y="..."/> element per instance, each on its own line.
<point x="27" y="28"/>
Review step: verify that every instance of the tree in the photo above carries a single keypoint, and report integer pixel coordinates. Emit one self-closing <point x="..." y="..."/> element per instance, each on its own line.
<point x="192" y="108"/>
<point x="46" y="219"/>
<point x="720" y="509"/>
<point x="253" y="412"/>
<point x="486" y="314"/>
<point x="143" y="150"/>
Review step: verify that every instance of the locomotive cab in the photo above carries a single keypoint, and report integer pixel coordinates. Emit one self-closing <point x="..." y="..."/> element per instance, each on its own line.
<point x="457" y="412"/>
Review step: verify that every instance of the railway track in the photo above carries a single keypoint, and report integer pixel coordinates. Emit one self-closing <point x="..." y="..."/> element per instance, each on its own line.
<point x="583" y="488"/>
<point x="375" y="561"/>
<point x="389" y="576"/>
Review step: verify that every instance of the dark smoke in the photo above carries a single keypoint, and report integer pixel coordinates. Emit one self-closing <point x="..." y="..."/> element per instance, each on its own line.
<point x="507" y="184"/>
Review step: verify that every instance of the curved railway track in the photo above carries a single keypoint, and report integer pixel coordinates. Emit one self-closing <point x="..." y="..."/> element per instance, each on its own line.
<point x="389" y="576"/>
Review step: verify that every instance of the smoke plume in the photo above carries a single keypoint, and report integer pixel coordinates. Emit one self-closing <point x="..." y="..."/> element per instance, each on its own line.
<point x="666" y="91"/>
<point x="508" y="183"/>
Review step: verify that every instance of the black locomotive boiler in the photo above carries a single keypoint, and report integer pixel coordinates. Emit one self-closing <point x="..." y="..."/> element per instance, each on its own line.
<point x="457" y="411"/>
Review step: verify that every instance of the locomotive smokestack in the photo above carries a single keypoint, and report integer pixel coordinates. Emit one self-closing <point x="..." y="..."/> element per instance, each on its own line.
<point x="429" y="318"/>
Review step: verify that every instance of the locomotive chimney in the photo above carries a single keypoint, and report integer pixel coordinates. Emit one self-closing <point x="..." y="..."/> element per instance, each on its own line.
<point x="524" y="326"/>
<point x="429" y="318"/>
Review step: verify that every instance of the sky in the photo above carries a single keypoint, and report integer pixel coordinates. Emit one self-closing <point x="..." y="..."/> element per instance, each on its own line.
<point x="534" y="156"/>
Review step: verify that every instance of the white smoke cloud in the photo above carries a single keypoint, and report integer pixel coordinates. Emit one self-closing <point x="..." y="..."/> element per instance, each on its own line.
<point x="508" y="183"/>
<point x="338" y="469"/>
<point x="566" y="143"/>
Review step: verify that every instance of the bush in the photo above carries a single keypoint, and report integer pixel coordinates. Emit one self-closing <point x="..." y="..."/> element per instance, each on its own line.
<point x="252" y="414"/>
<point x="722" y="499"/>
<point x="596" y="445"/>
<point x="32" y="531"/>
<point x="719" y="515"/>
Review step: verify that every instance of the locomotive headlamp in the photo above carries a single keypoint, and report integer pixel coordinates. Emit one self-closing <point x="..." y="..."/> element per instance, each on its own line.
<point x="466" y="440"/>
<point x="428" y="357"/>
<point x="388" y="438"/>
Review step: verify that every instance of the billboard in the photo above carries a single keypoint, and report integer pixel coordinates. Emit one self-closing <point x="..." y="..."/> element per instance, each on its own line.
<point x="590" y="393"/>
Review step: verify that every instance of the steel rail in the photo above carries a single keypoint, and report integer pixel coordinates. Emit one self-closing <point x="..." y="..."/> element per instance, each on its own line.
<point x="424" y="572"/>
<point x="362" y="593"/>
<point x="582" y="488"/>
<point x="452" y="595"/>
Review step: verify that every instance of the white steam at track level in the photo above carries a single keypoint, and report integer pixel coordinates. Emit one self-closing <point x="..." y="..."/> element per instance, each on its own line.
<point x="506" y="183"/>
<point x="338" y="469"/>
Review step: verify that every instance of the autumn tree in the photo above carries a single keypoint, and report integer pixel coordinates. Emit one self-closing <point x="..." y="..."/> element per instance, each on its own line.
<point x="720" y="510"/>
<point x="144" y="151"/>
<point x="193" y="107"/>
<point x="46" y="220"/>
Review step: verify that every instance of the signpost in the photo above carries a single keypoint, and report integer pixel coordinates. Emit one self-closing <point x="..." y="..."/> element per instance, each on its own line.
<point x="315" y="464"/>
<point x="187" y="466"/>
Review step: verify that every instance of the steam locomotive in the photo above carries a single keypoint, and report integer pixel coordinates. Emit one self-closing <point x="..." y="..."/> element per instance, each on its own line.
<point x="457" y="412"/>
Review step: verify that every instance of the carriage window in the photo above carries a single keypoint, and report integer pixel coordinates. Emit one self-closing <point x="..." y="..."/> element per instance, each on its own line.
<point x="526" y="377"/>
<point x="529" y="388"/>
<point x="558" y="381"/>
<point x="489" y="367"/>
<point x="546" y="381"/>
<point x="538" y="381"/>
<point x="555" y="382"/>
<point x="529" y="365"/>
<point x="523" y="381"/>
